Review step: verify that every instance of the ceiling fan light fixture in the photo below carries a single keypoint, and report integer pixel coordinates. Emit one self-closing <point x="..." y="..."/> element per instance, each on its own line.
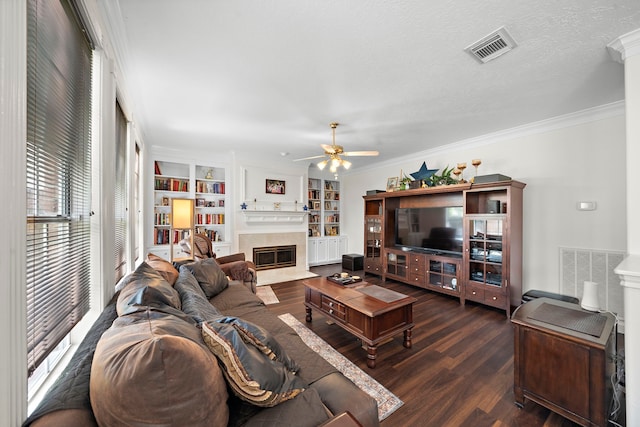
<point x="334" y="154"/>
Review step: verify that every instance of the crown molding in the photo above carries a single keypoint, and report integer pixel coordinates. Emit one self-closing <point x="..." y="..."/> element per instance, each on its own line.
<point x="601" y="112"/>
<point x="625" y="46"/>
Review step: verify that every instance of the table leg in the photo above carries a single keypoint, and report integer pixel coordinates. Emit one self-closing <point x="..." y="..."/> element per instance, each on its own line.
<point x="308" y="318"/>
<point x="372" y="353"/>
<point x="407" y="338"/>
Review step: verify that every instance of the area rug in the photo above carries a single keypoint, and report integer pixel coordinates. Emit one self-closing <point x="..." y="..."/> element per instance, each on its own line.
<point x="266" y="294"/>
<point x="277" y="275"/>
<point x="388" y="402"/>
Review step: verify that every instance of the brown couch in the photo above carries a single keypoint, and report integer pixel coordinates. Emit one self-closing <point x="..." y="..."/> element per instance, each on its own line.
<point x="145" y="361"/>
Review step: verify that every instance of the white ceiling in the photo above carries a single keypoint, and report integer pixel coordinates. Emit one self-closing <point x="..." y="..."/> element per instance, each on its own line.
<point x="269" y="76"/>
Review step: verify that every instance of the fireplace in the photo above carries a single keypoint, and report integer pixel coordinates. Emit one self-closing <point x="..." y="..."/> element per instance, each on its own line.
<point x="268" y="257"/>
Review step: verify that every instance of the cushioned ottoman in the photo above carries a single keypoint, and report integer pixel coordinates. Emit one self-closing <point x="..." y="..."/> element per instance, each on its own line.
<point x="352" y="262"/>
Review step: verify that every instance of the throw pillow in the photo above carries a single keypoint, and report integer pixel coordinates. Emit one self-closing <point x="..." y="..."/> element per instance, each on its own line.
<point x="211" y="278"/>
<point x="237" y="270"/>
<point x="164" y="267"/>
<point x="194" y="302"/>
<point x="146" y="288"/>
<point x="156" y="371"/>
<point x="261" y="339"/>
<point x="251" y="375"/>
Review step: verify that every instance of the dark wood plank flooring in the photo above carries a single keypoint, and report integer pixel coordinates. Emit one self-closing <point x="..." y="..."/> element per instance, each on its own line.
<point x="459" y="371"/>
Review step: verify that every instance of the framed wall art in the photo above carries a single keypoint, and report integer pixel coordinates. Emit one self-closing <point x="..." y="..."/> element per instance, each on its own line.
<point x="275" y="186"/>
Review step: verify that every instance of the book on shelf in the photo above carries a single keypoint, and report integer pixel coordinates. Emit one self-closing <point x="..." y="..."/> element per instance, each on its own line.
<point x="210" y="187"/>
<point x="161" y="236"/>
<point x="162" y="218"/>
<point x="213" y="235"/>
<point x="209" y="219"/>
<point x="171" y="184"/>
<point x="157" y="168"/>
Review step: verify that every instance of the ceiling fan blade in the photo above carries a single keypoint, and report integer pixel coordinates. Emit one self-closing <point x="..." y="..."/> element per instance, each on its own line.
<point x="309" y="158"/>
<point x="360" y="153"/>
<point x="329" y="149"/>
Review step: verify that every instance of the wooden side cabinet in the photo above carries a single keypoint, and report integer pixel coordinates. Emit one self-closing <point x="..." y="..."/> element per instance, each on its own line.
<point x="564" y="359"/>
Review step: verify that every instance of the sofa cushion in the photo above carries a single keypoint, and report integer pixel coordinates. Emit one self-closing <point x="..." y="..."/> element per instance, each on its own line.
<point x="251" y="375"/>
<point x="146" y="288"/>
<point x="237" y="270"/>
<point x="151" y="368"/>
<point x="211" y="278"/>
<point x="164" y="267"/>
<point x="261" y="339"/>
<point x="193" y="300"/>
<point x="306" y="410"/>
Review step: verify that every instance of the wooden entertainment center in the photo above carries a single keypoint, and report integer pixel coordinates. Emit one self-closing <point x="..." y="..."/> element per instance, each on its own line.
<point x="488" y="269"/>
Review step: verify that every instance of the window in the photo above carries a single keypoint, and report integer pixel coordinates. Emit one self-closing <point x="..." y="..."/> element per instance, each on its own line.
<point x="58" y="176"/>
<point x="136" y="200"/>
<point x="120" y="202"/>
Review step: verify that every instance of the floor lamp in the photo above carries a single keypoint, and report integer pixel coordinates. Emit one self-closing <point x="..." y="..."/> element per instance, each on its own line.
<point x="182" y="219"/>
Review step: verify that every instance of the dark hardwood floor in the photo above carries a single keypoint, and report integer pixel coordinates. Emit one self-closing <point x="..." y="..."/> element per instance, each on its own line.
<point x="459" y="371"/>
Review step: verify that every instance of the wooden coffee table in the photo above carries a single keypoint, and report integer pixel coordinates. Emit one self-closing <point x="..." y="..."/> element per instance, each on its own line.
<point x="370" y="312"/>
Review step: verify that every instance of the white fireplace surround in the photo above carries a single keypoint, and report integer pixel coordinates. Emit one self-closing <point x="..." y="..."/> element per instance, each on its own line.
<point x="248" y="241"/>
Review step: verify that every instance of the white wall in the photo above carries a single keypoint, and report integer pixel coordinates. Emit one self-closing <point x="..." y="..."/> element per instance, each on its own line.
<point x="560" y="165"/>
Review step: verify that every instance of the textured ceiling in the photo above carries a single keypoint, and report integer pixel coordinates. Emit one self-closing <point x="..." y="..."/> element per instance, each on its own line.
<point x="269" y="76"/>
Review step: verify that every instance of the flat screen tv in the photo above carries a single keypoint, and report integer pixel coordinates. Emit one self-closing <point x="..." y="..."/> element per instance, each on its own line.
<point x="431" y="230"/>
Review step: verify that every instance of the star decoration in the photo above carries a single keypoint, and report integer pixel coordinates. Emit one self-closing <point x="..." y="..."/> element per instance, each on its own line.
<point x="243" y="206"/>
<point x="423" y="173"/>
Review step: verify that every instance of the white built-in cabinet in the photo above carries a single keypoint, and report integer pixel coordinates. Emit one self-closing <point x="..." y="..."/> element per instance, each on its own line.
<point x="326" y="250"/>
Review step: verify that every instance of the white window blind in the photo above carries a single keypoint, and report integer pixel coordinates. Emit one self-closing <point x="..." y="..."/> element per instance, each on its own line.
<point x="120" y="205"/>
<point x="58" y="175"/>
<point x="136" y="197"/>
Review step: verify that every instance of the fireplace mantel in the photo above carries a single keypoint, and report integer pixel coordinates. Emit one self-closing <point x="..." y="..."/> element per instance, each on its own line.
<point x="262" y="217"/>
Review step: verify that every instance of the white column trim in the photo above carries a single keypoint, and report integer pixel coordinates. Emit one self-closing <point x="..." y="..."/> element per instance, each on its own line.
<point x="629" y="272"/>
<point x="13" y="109"/>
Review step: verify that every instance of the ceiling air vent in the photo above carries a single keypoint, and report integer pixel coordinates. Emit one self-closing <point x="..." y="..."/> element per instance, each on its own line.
<point x="490" y="47"/>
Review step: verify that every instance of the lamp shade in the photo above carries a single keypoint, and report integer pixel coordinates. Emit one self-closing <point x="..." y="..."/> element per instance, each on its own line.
<point x="182" y="213"/>
<point x="590" y="296"/>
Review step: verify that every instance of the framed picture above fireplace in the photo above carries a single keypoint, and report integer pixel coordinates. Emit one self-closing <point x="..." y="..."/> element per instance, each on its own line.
<point x="275" y="186"/>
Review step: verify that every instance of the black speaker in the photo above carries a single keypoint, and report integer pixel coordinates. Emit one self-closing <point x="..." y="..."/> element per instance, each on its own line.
<point x="493" y="206"/>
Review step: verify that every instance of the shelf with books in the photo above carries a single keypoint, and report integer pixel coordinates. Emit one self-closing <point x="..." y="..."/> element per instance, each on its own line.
<point x="171" y="179"/>
<point x="331" y="208"/>
<point x="211" y="203"/>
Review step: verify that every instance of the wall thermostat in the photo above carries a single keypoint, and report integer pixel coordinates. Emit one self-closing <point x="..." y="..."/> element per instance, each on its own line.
<point x="586" y="206"/>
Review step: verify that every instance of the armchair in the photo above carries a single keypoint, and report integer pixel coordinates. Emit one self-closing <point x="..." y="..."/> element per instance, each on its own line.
<point x="235" y="266"/>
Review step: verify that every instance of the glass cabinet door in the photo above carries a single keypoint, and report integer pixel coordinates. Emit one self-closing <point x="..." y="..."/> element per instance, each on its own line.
<point x="397" y="264"/>
<point x="485" y="251"/>
<point x="373" y="237"/>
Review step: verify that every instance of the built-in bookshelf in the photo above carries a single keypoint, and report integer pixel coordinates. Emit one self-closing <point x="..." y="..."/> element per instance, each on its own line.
<point x="207" y="185"/>
<point x="324" y="207"/>
<point x="171" y="180"/>
<point x="326" y="244"/>
<point x="210" y="192"/>
<point x="331" y="208"/>
<point x="315" y="207"/>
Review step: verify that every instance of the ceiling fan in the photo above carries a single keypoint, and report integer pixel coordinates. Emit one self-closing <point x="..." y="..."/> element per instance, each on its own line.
<point x="334" y="152"/>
